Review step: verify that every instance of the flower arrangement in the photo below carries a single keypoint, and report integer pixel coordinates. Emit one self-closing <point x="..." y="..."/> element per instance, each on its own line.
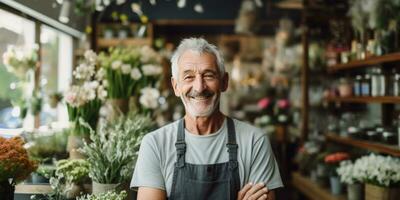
<point x="282" y="112"/>
<point x="110" y="195"/>
<point x="74" y="171"/>
<point x="84" y="97"/>
<point x="333" y="160"/>
<point x="348" y="173"/>
<point x="46" y="171"/>
<point x="19" y="61"/>
<point x="378" y="170"/>
<point x="113" y="152"/>
<point x="14" y="160"/>
<point x="132" y="71"/>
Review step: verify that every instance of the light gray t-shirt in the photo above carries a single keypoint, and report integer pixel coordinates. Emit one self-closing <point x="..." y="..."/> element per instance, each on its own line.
<point x="157" y="155"/>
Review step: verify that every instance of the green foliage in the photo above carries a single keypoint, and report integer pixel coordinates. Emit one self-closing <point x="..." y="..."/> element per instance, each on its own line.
<point x="110" y="195"/>
<point x="74" y="171"/>
<point x="44" y="147"/>
<point x="113" y="152"/>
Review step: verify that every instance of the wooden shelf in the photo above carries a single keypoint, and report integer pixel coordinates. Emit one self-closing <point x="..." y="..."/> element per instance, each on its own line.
<point x="33" y="189"/>
<point x="312" y="190"/>
<point x="393" y="57"/>
<point x="372" y="146"/>
<point x="103" y="42"/>
<point x="386" y="99"/>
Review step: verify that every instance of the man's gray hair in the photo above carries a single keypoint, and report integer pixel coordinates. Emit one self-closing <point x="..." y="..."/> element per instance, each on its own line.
<point x="199" y="45"/>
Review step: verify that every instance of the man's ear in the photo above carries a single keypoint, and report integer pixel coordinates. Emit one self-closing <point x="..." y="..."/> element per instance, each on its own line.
<point x="225" y="82"/>
<point x="174" y="84"/>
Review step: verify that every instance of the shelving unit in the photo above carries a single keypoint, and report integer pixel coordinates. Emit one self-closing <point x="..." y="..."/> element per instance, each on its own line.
<point x="393" y="150"/>
<point x="312" y="190"/>
<point x="388" y="58"/>
<point x="385" y="99"/>
<point x="131" y="40"/>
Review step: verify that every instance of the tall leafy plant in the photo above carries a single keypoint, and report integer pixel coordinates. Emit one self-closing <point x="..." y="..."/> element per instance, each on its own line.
<point x="113" y="152"/>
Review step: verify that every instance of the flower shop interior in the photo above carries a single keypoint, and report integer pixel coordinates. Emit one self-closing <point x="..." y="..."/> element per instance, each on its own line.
<point x="82" y="81"/>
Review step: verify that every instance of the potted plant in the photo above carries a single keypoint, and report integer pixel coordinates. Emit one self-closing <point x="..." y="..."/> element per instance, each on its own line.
<point x="110" y="163"/>
<point x="73" y="173"/>
<point x="333" y="160"/>
<point x="110" y="195"/>
<point x="381" y="176"/>
<point x="348" y="175"/>
<point x="20" y="61"/>
<point x="15" y="165"/>
<point x="43" y="174"/>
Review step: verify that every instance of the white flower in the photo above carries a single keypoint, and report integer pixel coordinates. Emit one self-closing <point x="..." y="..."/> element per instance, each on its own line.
<point x="135" y="74"/>
<point x="149" y="97"/>
<point x="84" y="71"/>
<point x="90" y="56"/>
<point x="151" y="70"/>
<point x="126" y="68"/>
<point x="100" y="74"/>
<point x="147" y="54"/>
<point x="116" y="64"/>
<point x="101" y="92"/>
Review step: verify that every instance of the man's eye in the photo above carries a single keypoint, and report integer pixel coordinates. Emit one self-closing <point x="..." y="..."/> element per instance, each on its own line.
<point x="188" y="77"/>
<point x="209" y="76"/>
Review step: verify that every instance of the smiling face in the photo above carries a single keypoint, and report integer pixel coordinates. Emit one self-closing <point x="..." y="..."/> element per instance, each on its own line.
<point x="199" y="83"/>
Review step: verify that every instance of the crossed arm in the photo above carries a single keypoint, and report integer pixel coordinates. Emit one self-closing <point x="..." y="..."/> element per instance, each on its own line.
<point x="248" y="192"/>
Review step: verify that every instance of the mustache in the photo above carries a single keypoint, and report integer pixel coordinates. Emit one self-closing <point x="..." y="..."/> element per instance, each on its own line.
<point x="204" y="94"/>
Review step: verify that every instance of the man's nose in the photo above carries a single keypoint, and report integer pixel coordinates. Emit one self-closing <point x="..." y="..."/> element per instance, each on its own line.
<point x="199" y="84"/>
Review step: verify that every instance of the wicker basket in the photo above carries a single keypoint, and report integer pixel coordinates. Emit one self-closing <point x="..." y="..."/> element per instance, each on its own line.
<point x="373" y="192"/>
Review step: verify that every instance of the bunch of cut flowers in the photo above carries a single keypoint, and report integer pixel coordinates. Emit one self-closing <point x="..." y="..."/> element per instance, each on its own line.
<point x="84" y="97"/>
<point x="133" y="71"/>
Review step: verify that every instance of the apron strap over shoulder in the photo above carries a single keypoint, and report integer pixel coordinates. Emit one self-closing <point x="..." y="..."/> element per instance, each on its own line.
<point x="232" y="145"/>
<point x="180" y="144"/>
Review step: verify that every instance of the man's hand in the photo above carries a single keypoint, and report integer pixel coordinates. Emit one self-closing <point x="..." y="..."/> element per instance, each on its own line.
<point x="253" y="192"/>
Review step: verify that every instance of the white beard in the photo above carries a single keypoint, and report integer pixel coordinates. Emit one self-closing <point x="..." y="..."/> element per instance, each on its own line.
<point x="197" y="112"/>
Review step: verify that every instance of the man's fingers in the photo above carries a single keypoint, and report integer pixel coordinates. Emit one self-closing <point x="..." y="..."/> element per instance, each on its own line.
<point x="259" y="194"/>
<point x="263" y="197"/>
<point x="244" y="190"/>
<point x="253" y="190"/>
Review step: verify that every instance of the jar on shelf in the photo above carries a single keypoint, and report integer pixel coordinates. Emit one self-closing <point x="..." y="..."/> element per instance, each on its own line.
<point x="345" y="89"/>
<point x="396" y="84"/>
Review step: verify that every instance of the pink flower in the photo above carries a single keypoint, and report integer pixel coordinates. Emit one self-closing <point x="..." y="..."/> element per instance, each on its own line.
<point x="283" y="104"/>
<point x="264" y="103"/>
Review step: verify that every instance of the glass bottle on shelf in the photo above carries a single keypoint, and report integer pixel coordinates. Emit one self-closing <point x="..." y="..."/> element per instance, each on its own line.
<point x="375" y="82"/>
<point x="382" y="82"/>
<point x="357" y="85"/>
<point x="396" y="84"/>
<point x="366" y="85"/>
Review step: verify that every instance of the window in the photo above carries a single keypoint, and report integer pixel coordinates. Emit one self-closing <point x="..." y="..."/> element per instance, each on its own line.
<point x="56" y="71"/>
<point x="20" y="32"/>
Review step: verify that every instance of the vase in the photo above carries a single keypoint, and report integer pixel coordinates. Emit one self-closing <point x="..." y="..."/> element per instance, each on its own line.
<point x="98" y="188"/>
<point x="336" y="185"/>
<point x="7" y="190"/>
<point x="374" y="192"/>
<point x="355" y="191"/>
<point x="73" y="190"/>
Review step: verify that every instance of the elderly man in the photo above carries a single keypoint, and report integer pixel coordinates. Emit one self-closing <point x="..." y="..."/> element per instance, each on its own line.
<point x="205" y="155"/>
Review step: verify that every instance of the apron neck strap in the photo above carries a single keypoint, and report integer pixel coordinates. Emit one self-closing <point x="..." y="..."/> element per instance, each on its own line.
<point x="232" y="146"/>
<point x="180" y="144"/>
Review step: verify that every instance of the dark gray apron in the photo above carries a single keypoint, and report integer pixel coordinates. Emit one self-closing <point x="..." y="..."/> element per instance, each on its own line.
<point x="205" y="182"/>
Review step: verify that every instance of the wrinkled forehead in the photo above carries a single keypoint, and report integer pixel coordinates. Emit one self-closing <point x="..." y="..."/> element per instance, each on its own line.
<point x="195" y="60"/>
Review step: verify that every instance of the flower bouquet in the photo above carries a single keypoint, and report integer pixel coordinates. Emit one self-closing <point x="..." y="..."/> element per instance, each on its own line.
<point x="84" y="97"/>
<point x="381" y="175"/>
<point x="19" y="61"/>
<point x="130" y="72"/>
<point x="349" y="175"/>
<point x="15" y="165"/>
<point x="333" y="160"/>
